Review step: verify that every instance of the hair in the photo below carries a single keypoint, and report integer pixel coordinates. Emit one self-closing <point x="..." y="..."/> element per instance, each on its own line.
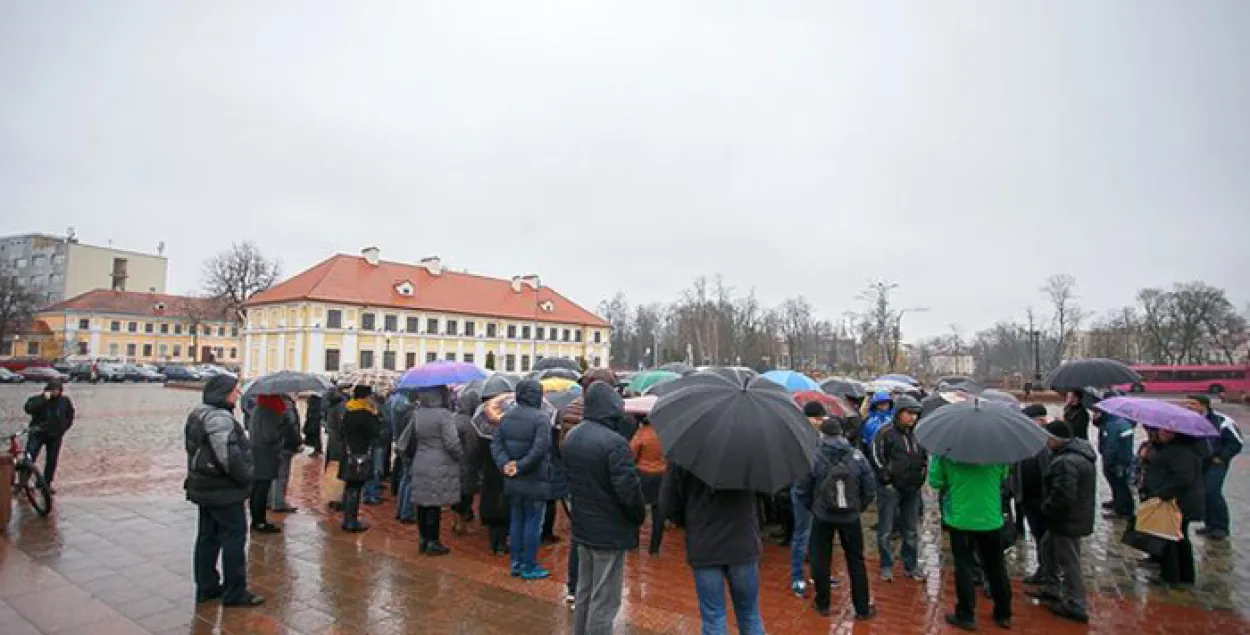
<point x="813" y="409"/>
<point x="361" y="392"/>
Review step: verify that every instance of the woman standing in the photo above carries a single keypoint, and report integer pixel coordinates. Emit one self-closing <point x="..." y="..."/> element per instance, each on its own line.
<point x="291" y="445"/>
<point x="1173" y="472"/>
<point x="361" y="429"/>
<point x="432" y="442"/>
<point x="268" y="419"/>
<point x="470" y="484"/>
<point x="649" y="457"/>
<point x="312" y="425"/>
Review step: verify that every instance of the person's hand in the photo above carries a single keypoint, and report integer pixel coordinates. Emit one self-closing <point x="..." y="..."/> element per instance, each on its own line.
<point x="509" y="469"/>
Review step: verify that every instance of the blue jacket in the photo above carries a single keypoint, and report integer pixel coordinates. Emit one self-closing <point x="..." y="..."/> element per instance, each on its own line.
<point x="524" y="436"/>
<point x="1229" y="443"/>
<point x="877" y="419"/>
<point x="1115" y="441"/>
<point x="832" y="449"/>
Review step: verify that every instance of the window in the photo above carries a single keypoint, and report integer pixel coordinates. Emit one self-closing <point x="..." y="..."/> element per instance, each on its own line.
<point x="58" y="259"/>
<point x="390" y="323"/>
<point x="525" y="363"/>
<point x="451" y="357"/>
<point x="451" y="327"/>
<point x="470" y="329"/>
<point x="598" y="337"/>
<point x="177" y="350"/>
<point x="130" y="350"/>
<point x="164" y="329"/>
<point x="164" y="350"/>
<point x="334" y="320"/>
<point x="234" y="331"/>
<point x="368" y="322"/>
<point x="512" y="331"/>
<point x="119" y="274"/>
<point x="38" y="261"/>
<point x="388" y="360"/>
<point x="525" y="332"/>
<point x="221" y="331"/>
<point x="82" y="348"/>
<point x="431" y="357"/>
<point x="410" y="325"/>
<point x="20" y="263"/>
<point x="191" y="329"/>
<point x="468" y="358"/>
<point x="234" y="353"/>
<point x="115" y="326"/>
<point x="177" y="329"/>
<point x="540" y="333"/>
<point x="32" y="349"/>
<point x="577" y="335"/>
<point x="147" y="350"/>
<point x="113" y="349"/>
<point x="38" y="281"/>
<point x="219" y="352"/>
<point x="509" y="363"/>
<point x="566" y="335"/>
<point x="332" y="359"/>
<point x="410" y="360"/>
<point x="491" y="329"/>
<point x="598" y="363"/>
<point x="554" y="334"/>
<point x="148" y="327"/>
<point x="84" y="324"/>
<point x="366" y="359"/>
<point x="431" y="326"/>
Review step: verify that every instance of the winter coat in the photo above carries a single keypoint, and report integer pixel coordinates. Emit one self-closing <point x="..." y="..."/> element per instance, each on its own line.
<point x="648" y="452"/>
<point x="1115" y="442"/>
<point x="722" y="526"/>
<point x="336" y="408"/>
<point x="1223" y="447"/>
<point x="608" y="505"/>
<point x="361" y="428"/>
<point x="267" y="436"/>
<point x="972" y="495"/>
<point x="492" y="504"/>
<point x="434" y="451"/>
<point x="470" y="465"/>
<point x="898" y="459"/>
<point x="834" y="450"/>
<point x="399" y="412"/>
<point x="291" y="437"/>
<point x="1173" y="471"/>
<point x="1070" y="489"/>
<point x="876" y="419"/>
<point x="1077" y="418"/>
<point x="524" y="436"/>
<point x="312" y="421"/>
<point x="50" y="418"/>
<point x="219" y="453"/>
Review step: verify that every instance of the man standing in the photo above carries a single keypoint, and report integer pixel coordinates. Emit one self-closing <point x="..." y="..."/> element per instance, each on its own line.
<point x="1069" y="498"/>
<point x="901" y="466"/>
<point x="1027" y="488"/>
<point x="1220" y="452"/>
<point x="1075" y="414"/>
<point x="607" y="507"/>
<point x="521" y="449"/>
<point x="1115" y="444"/>
<point x="219" y="480"/>
<point x="51" y="416"/>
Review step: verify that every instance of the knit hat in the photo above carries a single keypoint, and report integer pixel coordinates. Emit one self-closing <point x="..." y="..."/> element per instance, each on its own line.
<point x="55" y="384"/>
<point x="1060" y="429"/>
<point x="814" y="409"/>
<point x="831" y="427"/>
<point x="362" y="392"/>
<point x="1034" y="411"/>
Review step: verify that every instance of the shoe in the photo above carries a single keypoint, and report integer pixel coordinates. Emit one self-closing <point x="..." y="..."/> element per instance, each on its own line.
<point x="289" y="509"/>
<point x="1045" y="595"/>
<point x="872" y="612"/>
<point x="1033" y="580"/>
<point x="248" y="601"/>
<point x="798" y="588"/>
<point x="208" y="596"/>
<point x="1005" y="623"/>
<point x="1062" y="610"/>
<point x="355" y="528"/>
<point x="436" y="549"/>
<point x="517" y="569"/>
<point x="1217" y="535"/>
<point x="535" y="573"/>
<point x="570" y="598"/>
<point x="423" y="547"/>
<point x="1108" y="505"/>
<point x="887" y="575"/>
<point x="1202" y="531"/>
<point x="266" y="528"/>
<point x="915" y="575"/>
<point x="957" y="622"/>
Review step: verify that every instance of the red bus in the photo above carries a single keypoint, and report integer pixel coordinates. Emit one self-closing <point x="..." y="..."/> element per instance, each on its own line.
<point x="1210" y="379"/>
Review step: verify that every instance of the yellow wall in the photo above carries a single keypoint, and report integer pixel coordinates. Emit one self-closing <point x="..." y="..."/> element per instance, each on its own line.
<point x="111" y="343"/>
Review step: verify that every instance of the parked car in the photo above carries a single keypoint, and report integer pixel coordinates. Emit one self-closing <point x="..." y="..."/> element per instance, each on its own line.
<point x="180" y="373"/>
<point x="16" y="364"/>
<point x="149" y="375"/>
<point x="113" y="373"/>
<point x="43" y="374"/>
<point x="209" y="370"/>
<point x="84" y="372"/>
<point x="9" y="377"/>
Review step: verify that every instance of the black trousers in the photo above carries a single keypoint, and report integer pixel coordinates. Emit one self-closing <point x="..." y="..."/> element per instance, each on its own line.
<point x="821" y="555"/>
<point x="498" y="538"/>
<point x="352" y="493"/>
<point x="428" y="520"/>
<point x="222" y="533"/>
<point x="988" y="547"/>
<point x="1177" y="565"/>
<point x="260" y="501"/>
<point x="53" y="444"/>
<point x="549" y="521"/>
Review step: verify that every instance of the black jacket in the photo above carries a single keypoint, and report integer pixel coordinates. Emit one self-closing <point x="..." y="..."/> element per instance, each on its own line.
<point x="524" y="436"/>
<point x="1225" y="446"/>
<point x="361" y="426"/>
<point x="1069" y="489"/>
<point x="291" y="438"/>
<point x="832" y="450"/>
<point x="722" y="527"/>
<point x="1077" y="417"/>
<point x="219" y="454"/>
<point x="1173" y="471"/>
<point x="312" y="421"/>
<point x="898" y="459"/>
<point x="50" y="418"/>
<point x="607" y="505"/>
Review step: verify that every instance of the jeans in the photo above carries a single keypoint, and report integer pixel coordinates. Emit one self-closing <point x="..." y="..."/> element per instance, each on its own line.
<point x="222" y="532"/>
<point x="744" y="591"/>
<point x="526" y="531"/>
<point x="36" y="443"/>
<point x="601" y="578"/>
<point x="800" y="538"/>
<point x="901" y="508"/>
<point x="260" y="502"/>
<point x="277" y="489"/>
<point x="1062" y="555"/>
<point x="989" y="546"/>
<point x="1121" y="494"/>
<point x="1178" y="559"/>
<point x="373" y="488"/>
<point x="403" y="496"/>
<point x="852" y="536"/>
<point x="1217" y="506"/>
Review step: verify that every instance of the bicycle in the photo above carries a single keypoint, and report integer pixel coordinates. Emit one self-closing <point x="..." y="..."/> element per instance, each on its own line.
<point x="28" y="481"/>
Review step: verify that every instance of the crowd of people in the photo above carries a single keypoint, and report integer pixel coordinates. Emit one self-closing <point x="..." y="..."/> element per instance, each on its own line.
<point x="608" y="471"/>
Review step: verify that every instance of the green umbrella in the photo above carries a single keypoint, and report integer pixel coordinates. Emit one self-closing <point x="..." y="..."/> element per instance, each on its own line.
<point x="646" y="379"/>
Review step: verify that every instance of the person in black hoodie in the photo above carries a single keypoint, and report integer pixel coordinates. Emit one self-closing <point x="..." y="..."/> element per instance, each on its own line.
<point x="1075" y="414"/>
<point x="1173" y="472"/>
<point x="607" y="507"/>
<point x="361" y="428"/>
<point x="1069" y="501"/>
<point x="901" y="466"/>
<point x="1026" y="486"/>
<point x="51" y="416"/>
<point x="219" y="480"/>
<point x="312" y="425"/>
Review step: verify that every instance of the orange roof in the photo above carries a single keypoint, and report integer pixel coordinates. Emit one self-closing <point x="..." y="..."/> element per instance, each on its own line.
<point x="136" y="303"/>
<point x="347" y="279"/>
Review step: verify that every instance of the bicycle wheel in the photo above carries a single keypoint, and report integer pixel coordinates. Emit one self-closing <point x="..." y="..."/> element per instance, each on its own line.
<point x="38" y="494"/>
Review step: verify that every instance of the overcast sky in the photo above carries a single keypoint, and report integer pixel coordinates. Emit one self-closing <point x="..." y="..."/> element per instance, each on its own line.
<point x="965" y="150"/>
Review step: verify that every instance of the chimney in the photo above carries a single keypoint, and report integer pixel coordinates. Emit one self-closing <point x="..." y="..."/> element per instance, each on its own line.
<point x="432" y="264"/>
<point x="371" y="255"/>
<point x="530" y="281"/>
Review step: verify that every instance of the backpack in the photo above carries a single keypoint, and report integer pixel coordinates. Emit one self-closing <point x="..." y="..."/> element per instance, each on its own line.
<point x="839" y="490"/>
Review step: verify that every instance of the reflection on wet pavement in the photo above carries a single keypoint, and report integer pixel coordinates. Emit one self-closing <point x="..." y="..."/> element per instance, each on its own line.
<point x="115" y="558"/>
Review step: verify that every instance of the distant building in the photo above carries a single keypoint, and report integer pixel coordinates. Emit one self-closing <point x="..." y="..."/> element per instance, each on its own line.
<point x="362" y="312"/>
<point x="60" y="267"/>
<point x="953" y="365"/>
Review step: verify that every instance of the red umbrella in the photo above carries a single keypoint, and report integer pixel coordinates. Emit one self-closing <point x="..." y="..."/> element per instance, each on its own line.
<point x="836" y="406"/>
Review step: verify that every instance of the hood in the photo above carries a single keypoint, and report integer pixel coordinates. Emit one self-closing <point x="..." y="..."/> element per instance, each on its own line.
<point x="356" y="405"/>
<point x="1077" y="446"/>
<point x="907" y="402"/>
<point x="433" y="398"/>
<point x="879" y="397"/>
<point x="834" y="447"/>
<point x="602" y="404"/>
<point x="529" y="393"/>
<point x="218" y="389"/>
<point x="468" y="403"/>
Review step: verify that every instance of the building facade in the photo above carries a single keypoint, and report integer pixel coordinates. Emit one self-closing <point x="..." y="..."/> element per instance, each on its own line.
<point x="352" y="312"/>
<point x="131" y="326"/>
<point x="60" y="267"/>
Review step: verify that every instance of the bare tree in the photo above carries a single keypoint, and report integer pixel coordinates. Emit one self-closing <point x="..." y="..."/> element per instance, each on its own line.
<point x="881" y="328"/>
<point x="17" y="306"/>
<point x="197" y="310"/>
<point x="1060" y="289"/>
<point x="238" y="273"/>
<point x="797" y="327"/>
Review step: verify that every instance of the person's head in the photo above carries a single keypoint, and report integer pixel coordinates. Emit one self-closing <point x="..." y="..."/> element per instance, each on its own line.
<point x="54" y="388"/>
<point x="1200" y="404"/>
<point x="881" y="400"/>
<point x="603" y="404"/>
<point x="1074" y="397"/>
<point x="1036" y="412"/>
<point x="906" y="411"/>
<point x="831" y="427"/>
<point x="222" y="391"/>
<point x="1166" y="436"/>
<point x="362" y="392"/>
<point x="529" y="393"/>
<point x="815" y="410"/>
<point x="1060" y="431"/>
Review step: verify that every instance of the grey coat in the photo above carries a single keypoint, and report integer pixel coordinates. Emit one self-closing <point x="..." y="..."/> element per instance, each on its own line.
<point x="434" y="445"/>
<point x="267" y="429"/>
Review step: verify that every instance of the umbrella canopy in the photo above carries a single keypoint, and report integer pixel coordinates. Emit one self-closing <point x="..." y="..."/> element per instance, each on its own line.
<point x="699" y="377"/>
<point x="1158" y="414"/>
<point x="732" y="437"/>
<point x="285" y="382"/>
<point x="844" y="387"/>
<point x="906" y="379"/>
<point x="791" y="380"/>
<point x="555" y="373"/>
<point x="488" y="417"/>
<point x="440" y="374"/>
<point x="560" y="384"/>
<point x="681" y="368"/>
<point x="561" y="400"/>
<point x="980" y="432"/>
<point x="548" y="363"/>
<point x="640" y="405"/>
<point x="942" y="398"/>
<point x="1081" y="373"/>
<point x="646" y="379"/>
<point x="959" y="382"/>
<point x="379" y="379"/>
<point x="835" y="406"/>
<point x="889" y="385"/>
<point x="1000" y="396"/>
<point x="739" y="375"/>
<point x="492" y="386"/>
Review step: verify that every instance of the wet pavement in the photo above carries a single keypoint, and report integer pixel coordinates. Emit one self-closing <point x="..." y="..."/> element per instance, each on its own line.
<point x="115" y="558"/>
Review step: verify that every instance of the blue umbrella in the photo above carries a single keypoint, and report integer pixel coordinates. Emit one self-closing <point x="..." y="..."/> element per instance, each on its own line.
<point x="440" y="374"/>
<point x="906" y="379"/>
<point x="792" y="381"/>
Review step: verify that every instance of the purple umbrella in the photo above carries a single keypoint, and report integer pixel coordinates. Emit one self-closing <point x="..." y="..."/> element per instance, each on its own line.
<point x="439" y="374"/>
<point x="1161" y="415"/>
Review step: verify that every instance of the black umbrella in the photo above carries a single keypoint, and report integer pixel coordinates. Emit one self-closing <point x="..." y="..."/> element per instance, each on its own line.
<point x="844" y="387"/>
<point x="558" y="373"/>
<point x="737" y="374"/>
<point x="1098" y="371"/>
<point x="548" y="363"/>
<point x="285" y="382"/>
<point x="494" y="386"/>
<point x="980" y="432"/>
<point x="959" y="382"/>
<point x="1000" y="396"/>
<point x="681" y="368"/>
<point x="941" y="398"/>
<point x="698" y="378"/>
<point x="736" y="436"/>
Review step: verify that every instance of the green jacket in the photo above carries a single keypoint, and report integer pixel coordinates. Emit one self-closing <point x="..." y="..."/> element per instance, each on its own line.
<point x="971" y="494"/>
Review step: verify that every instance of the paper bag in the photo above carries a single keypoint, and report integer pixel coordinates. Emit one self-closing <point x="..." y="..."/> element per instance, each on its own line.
<point x="1159" y="518"/>
<point x="331" y="486"/>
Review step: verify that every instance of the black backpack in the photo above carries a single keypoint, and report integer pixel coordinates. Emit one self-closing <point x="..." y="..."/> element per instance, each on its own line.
<point x="839" y="490"/>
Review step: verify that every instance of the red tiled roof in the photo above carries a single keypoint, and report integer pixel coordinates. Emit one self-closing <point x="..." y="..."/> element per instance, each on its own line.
<point x="137" y="303"/>
<point x="352" y="280"/>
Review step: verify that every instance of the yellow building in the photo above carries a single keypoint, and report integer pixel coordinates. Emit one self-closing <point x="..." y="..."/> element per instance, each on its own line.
<point x="352" y="312"/>
<point x="135" y="327"/>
